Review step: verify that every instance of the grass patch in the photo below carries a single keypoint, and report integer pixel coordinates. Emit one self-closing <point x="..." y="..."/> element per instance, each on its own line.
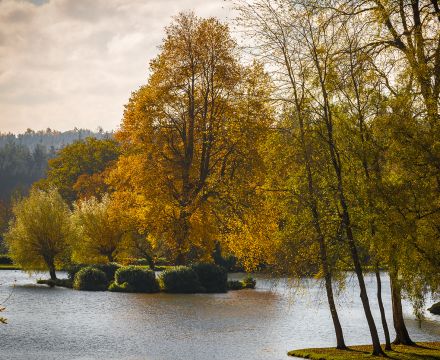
<point x="58" y="282"/>
<point x="9" y="267"/>
<point x="423" y="351"/>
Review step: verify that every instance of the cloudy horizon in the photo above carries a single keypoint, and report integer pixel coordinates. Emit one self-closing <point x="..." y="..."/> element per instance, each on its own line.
<point x="74" y="63"/>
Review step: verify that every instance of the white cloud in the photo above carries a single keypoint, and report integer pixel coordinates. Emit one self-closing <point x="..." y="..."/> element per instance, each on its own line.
<point x="67" y="63"/>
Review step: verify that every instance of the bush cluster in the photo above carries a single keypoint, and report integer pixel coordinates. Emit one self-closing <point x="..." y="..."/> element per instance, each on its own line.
<point x="135" y="279"/>
<point x="91" y="279"/>
<point x="198" y="278"/>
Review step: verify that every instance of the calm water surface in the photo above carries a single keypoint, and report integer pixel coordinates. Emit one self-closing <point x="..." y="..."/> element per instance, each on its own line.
<point x="259" y="324"/>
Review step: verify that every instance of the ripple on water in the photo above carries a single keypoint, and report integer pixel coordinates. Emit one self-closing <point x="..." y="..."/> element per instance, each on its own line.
<point x="57" y="323"/>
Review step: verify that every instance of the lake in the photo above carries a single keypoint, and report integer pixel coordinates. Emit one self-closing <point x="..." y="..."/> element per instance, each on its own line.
<point x="259" y="324"/>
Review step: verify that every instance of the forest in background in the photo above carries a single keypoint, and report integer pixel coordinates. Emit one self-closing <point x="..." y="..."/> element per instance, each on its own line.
<point x="24" y="160"/>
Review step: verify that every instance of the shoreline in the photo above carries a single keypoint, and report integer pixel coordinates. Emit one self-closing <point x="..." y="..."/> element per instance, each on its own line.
<point x="423" y="350"/>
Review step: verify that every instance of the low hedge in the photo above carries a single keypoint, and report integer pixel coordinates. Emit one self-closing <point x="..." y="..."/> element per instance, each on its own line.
<point x="91" y="279"/>
<point x="213" y="278"/>
<point x="138" y="279"/>
<point x="182" y="280"/>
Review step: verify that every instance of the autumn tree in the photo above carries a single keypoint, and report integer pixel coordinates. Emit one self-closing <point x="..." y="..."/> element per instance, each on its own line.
<point x="79" y="169"/>
<point x="188" y="136"/>
<point x="99" y="231"/>
<point x="402" y="38"/>
<point x="39" y="234"/>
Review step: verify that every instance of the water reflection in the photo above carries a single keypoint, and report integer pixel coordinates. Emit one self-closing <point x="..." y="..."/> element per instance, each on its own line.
<point x="57" y="323"/>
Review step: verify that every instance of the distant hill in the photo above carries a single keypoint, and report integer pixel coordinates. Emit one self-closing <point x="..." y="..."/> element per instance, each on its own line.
<point x="51" y="139"/>
<point x="24" y="157"/>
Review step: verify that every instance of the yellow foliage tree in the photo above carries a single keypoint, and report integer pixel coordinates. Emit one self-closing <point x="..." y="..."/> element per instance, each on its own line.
<point x="39" y="236"/>
<point x="189" y="138"/>
<point x="99" y="231"/>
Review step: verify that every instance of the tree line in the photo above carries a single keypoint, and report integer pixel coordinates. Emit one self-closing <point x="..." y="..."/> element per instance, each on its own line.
<point x="24" y="160"/>
<point x="319" y="156"/>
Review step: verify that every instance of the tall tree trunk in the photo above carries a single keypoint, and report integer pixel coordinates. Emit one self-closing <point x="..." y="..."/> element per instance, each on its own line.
<point x="337" y="166"/>
<point x="377" y="349"/>
<point x="402" y="335"/>
<point x="382" y="310"/>
<point x="52" y="273"/>
<point x="340" y="342"/>
<point x="181" y="236"/>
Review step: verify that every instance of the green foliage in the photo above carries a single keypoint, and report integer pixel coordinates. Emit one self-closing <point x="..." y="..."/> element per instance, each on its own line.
<point x="435" y="309"/>
<point x="137" y="279"/>
<point x="235" y="285"/>
<point x="20" y="166"/>
<point x="5" y="260"/>
<point x="124" y="287"/>
<point x="213" y="278"/>
<point x="109" y="269"/>
<point x="90" y="279"/>
<point x="181" y="279"/>
<point x="249" y="282"/>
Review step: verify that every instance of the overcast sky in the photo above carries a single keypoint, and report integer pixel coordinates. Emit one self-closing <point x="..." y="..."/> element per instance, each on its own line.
<point x="67" y="63"/>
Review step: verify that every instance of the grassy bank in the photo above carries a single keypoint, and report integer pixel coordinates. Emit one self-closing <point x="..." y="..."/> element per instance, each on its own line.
<point x="9" y="267"/>
<point x="423" y="351"/>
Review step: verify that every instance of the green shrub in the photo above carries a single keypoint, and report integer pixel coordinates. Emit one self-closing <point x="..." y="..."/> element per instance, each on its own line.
<point x="124" y="287"/>
<point x="5" y="260"/>
<point x="213" y="278"/>
<point x="91" y="279"/>
<point x="108" y="269"/>
<point x="181" y="279"/>
<point x="235" y="285"/>
<point x="249" y="282"/>
<point x="72" y="269"/>
<point x="435" y="309"/>
<point x="138" y="279"/>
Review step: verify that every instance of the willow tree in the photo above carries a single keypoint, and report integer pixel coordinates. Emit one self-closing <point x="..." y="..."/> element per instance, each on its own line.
<point x="316" y="42"/>
<point x="298" y="182"/>
<point x="40" y="232"/>
<point x="189" y="135"/>
<point x="100" y="231"/>
<point x="403" y="38"/>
